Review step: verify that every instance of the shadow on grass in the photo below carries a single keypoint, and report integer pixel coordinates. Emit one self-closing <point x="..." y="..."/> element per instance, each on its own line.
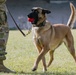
<point x="40" y="73"/>
<point x="45" y="73"/>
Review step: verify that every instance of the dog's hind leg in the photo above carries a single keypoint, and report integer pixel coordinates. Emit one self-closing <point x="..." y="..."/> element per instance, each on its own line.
<point x="70" y="45"/>
<point x="51" y="52"/>
<point x="71" y="50"/>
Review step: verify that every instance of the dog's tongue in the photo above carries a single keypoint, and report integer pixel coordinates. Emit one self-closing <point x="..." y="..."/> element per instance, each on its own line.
<point x="30" y="19"/>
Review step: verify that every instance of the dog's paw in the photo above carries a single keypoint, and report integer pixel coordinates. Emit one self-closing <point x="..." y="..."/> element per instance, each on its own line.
<point x="34" y="69"/>
<point x="44" y="69"/>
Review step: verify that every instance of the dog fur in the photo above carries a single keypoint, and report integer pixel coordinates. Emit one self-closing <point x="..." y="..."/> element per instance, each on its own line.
<point x="48" y="37"/>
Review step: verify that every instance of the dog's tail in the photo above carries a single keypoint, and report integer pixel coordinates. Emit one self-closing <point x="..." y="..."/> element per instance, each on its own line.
<point x="72" y="17"/>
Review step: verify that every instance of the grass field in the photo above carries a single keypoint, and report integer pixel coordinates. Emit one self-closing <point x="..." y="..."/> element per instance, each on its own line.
<point x="22" y="54"/>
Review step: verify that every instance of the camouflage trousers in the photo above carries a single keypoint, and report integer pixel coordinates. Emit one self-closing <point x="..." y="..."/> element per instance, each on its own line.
<point x="4" y="32"/>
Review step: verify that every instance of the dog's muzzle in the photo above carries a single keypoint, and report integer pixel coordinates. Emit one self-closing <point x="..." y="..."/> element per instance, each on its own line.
<point x="33" y="17"/>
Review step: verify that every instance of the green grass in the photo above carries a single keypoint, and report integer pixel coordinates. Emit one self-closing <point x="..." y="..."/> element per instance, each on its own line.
<point x="21" y="54"/>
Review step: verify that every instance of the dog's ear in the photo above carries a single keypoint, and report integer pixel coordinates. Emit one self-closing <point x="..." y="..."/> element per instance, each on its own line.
<point x="45" y="11"/>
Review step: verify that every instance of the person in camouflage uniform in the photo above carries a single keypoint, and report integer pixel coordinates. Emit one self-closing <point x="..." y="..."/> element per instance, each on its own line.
<point x="4" y="32"/>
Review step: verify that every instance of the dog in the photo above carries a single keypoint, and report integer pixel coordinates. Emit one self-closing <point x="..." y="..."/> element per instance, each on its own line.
<point x="48" y="37"/>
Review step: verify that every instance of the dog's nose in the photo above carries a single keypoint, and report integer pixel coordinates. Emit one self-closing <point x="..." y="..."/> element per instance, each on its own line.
<point x="28" y="15"/>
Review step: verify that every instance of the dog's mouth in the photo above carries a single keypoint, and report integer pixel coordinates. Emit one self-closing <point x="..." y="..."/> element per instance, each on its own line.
<point x="31" y="20"/>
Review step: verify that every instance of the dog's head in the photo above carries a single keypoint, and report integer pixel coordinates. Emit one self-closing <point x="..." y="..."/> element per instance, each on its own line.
<point x="37" y="15"/>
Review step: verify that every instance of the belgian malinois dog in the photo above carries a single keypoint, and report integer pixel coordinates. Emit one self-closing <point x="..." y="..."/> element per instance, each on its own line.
<point x="48" y="37"/>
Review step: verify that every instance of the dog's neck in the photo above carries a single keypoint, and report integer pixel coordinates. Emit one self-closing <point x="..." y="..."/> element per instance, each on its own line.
<point x="40" y="24"/>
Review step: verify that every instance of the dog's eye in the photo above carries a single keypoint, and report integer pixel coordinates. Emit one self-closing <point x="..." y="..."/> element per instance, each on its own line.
<point x="36" y="11"/>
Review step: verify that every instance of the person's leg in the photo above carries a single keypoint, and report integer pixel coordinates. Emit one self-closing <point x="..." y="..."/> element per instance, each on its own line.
<point x="4" y="32"/>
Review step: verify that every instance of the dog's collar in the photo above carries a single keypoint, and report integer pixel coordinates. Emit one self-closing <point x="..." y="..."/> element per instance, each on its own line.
<point x="40" y="25"/>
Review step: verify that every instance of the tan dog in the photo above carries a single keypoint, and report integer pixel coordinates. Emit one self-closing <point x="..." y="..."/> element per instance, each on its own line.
<point x="48" y="37"/>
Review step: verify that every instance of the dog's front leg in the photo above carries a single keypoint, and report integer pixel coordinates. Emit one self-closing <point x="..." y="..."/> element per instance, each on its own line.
<point x="51" y="52"/>
<point x="39" y="47"/>
<point x="44" y="64"/>
<point x="41" y="55"/>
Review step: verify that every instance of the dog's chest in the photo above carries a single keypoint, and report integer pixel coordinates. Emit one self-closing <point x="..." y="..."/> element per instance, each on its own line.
<point x="36" y="32"/>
